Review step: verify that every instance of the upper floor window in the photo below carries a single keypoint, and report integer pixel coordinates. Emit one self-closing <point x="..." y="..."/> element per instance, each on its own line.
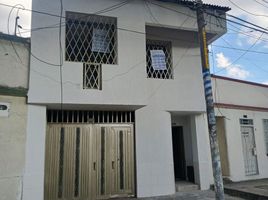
<point x="159" y="59"/>
<point x="265" y="128"/>
<point x="92" y="76"/>
<point x="90" y="38"/>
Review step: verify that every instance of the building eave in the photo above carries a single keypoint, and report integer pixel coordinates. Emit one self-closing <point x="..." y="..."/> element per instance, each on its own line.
<point x="191" y="3"/>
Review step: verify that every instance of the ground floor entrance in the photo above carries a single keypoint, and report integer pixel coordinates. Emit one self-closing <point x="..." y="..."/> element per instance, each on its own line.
<point x="89" y="161"/>
<point x="183" y="171"/>
<point x="178" y="153"/>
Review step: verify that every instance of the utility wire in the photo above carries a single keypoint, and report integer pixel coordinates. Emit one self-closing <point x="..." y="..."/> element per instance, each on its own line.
<point x="124" y="3"/>
<point x="239" y="31"/>
<point x="257" y="15"/>
<point x="261" y="4"/>
<point x="237" y="59"/>
<point x="245" y="21"/>
<point x="100" y="11"/>
<point x="238" y="49"/>
<point x="61" y="62"/>
<point x="108" y="9"/>
<point x="150" y="34"/>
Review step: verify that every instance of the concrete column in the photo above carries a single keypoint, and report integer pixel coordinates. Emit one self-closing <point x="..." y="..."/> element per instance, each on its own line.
<point x="33" y="184"/>
<point x="155" y="171"/>
<point x="201" y="151"/>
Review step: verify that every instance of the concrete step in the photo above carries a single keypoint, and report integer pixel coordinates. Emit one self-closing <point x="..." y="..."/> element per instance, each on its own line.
<point x="184" y="186"/>
<point x="246" y="192"/>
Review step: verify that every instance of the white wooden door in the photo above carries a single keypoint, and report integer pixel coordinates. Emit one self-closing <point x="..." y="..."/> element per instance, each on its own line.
<point x="249" y="150"/>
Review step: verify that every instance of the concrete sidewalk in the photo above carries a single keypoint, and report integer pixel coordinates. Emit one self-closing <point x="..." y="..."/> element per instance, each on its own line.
<point x="255" y="189"/>
<point x="192" y="195"/>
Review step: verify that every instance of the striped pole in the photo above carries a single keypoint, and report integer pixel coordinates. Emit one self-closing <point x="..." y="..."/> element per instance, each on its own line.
<point x="214" y="147"/>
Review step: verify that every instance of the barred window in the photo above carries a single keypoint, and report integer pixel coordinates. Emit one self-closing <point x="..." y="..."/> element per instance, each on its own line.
<point x="91" y="76"/>
<point x="159" y="59"/>
<point x="265" y="128"/>
<point x="90" y="38"/>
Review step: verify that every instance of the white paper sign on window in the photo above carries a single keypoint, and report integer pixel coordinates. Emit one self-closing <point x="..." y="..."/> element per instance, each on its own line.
<point x="158" y="58"/>
<point x="100" y="41"/>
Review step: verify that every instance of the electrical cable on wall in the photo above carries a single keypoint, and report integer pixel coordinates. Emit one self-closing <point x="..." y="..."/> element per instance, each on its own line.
<point x="133" y="31"/>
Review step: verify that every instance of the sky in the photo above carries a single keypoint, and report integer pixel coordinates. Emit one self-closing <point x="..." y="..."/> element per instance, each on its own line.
<point x="225" y="62"/>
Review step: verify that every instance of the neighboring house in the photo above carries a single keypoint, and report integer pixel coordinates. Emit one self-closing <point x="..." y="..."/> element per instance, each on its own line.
<point x="13" y="113"/>
<point x="130" y="90"/>
<point x="242" y="123"/>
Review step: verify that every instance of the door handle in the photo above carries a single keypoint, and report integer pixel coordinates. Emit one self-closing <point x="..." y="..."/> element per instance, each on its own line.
<point x="254" y="151"/>
<point x="112" y="164"/>
<point x="94" y="166"/>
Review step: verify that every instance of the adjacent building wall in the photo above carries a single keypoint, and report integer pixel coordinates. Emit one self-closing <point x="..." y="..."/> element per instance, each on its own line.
<point x="12" y="147"/>
<point x="234" y="142"/>
<point x="14" y="61"/>
<point x="235" y="100"/>
<point x="13" y="90"/>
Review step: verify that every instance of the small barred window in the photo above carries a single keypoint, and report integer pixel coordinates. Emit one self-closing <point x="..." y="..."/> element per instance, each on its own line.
<point x="159" y="59"/>
<point x="92" y="76"/>
<point x="265" y="128"/>
<point x="90" y="38"/>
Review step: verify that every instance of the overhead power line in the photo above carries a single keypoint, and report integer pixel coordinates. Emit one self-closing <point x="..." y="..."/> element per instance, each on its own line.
<point x="238" y="49"/>
<point x="124" y="3"/>
<point x="265" y="29"/>
<point x="261" y="4"/>
<point x="254" y="14"/>
<point x="143" y="33"/>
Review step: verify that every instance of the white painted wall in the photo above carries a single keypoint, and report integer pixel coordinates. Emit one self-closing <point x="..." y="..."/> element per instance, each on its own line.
<point x="232" y="92"/>
<point x="131" y="69"/>
<point x="201" y="151"/>
<point x="33" y="184"/>
<point x="14" y="69"/>
<point x="154" y="157"/>
<point x="124" y="84"/>
<point x="12" y="147"/>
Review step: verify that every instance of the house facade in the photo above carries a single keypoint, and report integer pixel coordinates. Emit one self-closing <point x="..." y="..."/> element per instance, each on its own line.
<point x="13" y="113"/>
<point x="241" y="109"/>
<point x="124" y="113"/>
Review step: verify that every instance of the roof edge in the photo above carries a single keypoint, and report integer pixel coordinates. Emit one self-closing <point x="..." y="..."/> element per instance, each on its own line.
<point x="14" y="38"/>
<point x="239" y="81"/>
<point x="192" y="3"/>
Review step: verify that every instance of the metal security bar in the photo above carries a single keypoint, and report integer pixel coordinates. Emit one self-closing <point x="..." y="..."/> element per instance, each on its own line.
<point x="91" y="76"/>
<point x="265" y="129"/>
<point x="246" y="121"/>
<point x="81" y="116"/>
<point x="166" y="47"/>
<point x="91" y="38"/>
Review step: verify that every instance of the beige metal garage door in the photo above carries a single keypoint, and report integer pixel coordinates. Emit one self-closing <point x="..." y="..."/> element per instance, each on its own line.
<point x="86" y="161"/>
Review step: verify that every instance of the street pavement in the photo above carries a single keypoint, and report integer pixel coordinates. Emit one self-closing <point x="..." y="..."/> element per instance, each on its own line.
<point x="192" y="195"/>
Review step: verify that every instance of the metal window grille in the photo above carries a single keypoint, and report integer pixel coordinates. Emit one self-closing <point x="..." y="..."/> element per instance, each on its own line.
<point x="91" y="76"/>
<point x="90" y="38"/>
<point x="246" y="121"/>
<point x="81" y="116"/>
<point x="166" y="47"/>
<point x="265" y="128"/>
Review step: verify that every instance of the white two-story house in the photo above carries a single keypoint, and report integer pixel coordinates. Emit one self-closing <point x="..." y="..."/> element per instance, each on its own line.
<point x="124" y="113"/>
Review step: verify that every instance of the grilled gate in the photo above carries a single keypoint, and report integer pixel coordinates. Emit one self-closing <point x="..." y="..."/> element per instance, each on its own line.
<point x="89" y="161"/>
